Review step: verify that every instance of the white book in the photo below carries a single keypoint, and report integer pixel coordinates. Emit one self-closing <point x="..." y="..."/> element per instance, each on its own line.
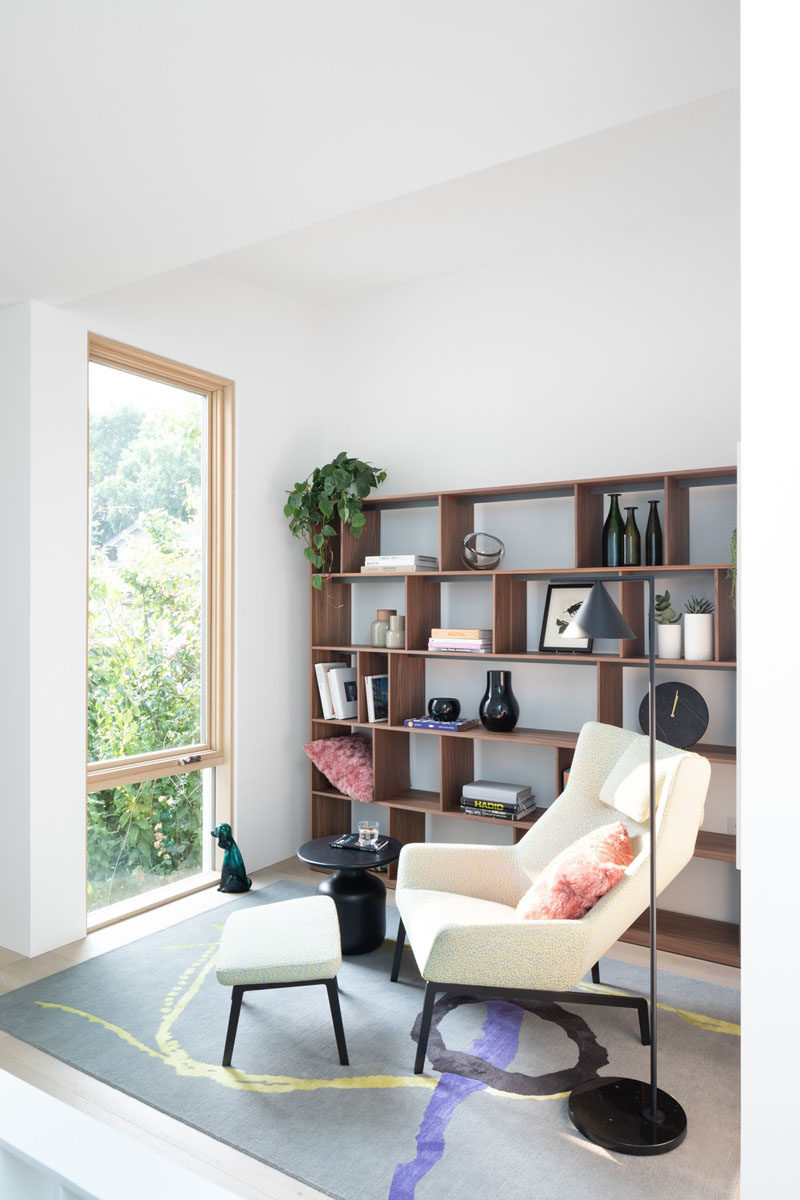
<point x="321" y="670"/>
<point x="344" y="691"/>
<point x="410" y="560"/>
<point x="376" y="690"/>
<point x="489" y="789"/>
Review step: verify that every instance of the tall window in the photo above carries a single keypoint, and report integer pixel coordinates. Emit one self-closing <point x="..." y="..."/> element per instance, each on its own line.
<point x="160" y="632"/>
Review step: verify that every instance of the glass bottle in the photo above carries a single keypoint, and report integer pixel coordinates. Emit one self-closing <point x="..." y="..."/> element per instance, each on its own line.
<point x="631" y="541"/>
<point x="380" y="626"/>
<point x="499" y="710"/>
<point x="612" y="534"/>
<point x="653" y="538"/>
<point x="396" y="633"/>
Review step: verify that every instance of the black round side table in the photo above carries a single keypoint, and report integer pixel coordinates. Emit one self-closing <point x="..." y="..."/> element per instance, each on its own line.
<point x="360" y="897"/>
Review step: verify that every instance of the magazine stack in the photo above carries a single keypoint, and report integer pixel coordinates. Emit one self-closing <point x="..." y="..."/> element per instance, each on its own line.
<point x="460" y="641"/>
<point x="506" y="801"/>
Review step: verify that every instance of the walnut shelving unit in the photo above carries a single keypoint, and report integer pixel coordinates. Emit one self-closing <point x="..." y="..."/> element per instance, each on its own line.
<point x="331" y="640"/>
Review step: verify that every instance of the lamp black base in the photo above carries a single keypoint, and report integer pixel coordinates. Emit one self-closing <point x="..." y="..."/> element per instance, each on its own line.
<point x="611" y="1113"/>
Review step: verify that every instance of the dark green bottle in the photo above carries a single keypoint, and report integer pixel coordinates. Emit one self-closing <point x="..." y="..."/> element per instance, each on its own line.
<point x="612" y="534"/>
<point x="653" y="538"/>
<point x="631" y="541"/>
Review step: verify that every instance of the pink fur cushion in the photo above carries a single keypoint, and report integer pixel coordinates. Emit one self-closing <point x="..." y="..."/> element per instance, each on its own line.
<point x="577" y="877"/>
<point x="346" y="762"/>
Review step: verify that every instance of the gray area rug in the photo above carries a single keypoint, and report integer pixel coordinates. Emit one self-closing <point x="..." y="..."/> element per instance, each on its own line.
<point x="150" y="1019"/>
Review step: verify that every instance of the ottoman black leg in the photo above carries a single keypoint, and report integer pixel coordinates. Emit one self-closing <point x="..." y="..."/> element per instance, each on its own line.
<point x="398" y="950"/>
<point x="336" y="1014"/>
<point x="233" y="1021"/>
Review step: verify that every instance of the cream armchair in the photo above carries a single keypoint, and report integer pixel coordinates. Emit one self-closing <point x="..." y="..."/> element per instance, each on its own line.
<point x="457" y="903"/>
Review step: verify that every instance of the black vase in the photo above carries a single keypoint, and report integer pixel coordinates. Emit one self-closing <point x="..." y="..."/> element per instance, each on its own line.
<point x="499" y="710"/>
<point x="653" y="538"/>
<point x="612" y="534"/>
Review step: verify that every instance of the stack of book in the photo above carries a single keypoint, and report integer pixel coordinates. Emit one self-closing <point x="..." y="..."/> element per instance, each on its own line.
<point x="507" y="801"/>
<point x="461" y="641"/>
<point x="338" y="691"/>
<point x="398" y="564"/>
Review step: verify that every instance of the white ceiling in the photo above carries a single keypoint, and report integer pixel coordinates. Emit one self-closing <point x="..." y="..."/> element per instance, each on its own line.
<point x="142" y="136"/>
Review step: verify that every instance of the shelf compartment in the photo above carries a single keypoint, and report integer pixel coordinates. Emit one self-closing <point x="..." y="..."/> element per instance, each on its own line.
<point x="509" y="615"/>
<point x="558" y="738"/>
<point x="695" y="937"/>
<point x="555" y="573"/>
<point x="353" y="550"/>
<point x="406" y="688"/>
<point x="423" y="609"/>
<point x="368" y="662"/>
<point x="456" y="767"/>
<point x="391" y="768"/>
<point x="724" y="617"/>
<point x="456" y="520"/>
<point x="721" y="847"/>
<point x="538" y="656"/>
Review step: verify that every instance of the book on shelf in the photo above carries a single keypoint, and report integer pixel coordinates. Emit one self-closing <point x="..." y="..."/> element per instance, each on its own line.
<point x="401" y="560"/>
<point x="504" y="815"/>
<point x="498" y="793"/>
<point x="395" y="569"/>
<point x="344" y="691"/>
<point x="483" y="635"/>
<point x="495" y="806"/>
<point x="460" y="643"/>
<point x="448" y="726"/>
<point x="376" y="690"/>
<point x="452" y="648"/>
<point x="321" y="671"/>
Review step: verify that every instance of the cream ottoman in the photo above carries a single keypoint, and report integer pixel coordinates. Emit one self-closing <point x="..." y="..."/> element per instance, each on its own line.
<point x="293" y="943"/>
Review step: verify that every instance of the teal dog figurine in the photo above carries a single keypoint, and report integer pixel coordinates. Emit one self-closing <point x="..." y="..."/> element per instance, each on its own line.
<point x="234" y="877"/>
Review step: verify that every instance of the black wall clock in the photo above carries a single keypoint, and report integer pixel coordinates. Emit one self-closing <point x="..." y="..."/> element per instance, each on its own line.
<point x="681" y="715"/>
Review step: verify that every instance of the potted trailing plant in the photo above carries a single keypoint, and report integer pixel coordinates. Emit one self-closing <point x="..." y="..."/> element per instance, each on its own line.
<point x="668" y="634"/>
<point x="334" y="490"/>
<point x="698" y="629"/>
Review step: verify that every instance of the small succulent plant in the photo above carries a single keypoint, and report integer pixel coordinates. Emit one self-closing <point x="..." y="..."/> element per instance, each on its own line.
<point x="665" y="614"/>
<point x="699" y="604"/>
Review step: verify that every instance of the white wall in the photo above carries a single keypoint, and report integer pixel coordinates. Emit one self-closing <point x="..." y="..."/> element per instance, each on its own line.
<point x="15" y="424"/>
<point x="43" y="898"/>
<point x="262" y="342"/>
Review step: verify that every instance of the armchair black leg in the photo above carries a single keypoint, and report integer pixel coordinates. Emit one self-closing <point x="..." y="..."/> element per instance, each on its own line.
<point x="644" y="1021"/>
<point x="233" y="1021"/>
<point x="596" y="973"/>
<point x="425" y="1027"/>
<point x="336" y="1014"/>
<point x="398" y="950"/>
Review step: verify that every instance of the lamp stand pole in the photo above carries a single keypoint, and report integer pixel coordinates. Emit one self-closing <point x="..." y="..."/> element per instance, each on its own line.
<point x="628" y="1115"/>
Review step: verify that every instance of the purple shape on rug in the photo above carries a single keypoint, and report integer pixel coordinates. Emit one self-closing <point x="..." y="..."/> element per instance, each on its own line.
<point x="498" y="1045"/>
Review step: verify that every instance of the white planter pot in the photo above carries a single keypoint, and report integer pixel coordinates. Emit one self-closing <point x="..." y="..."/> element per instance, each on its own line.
<point x="698" y="636"/>
<point x="668" y="641"/>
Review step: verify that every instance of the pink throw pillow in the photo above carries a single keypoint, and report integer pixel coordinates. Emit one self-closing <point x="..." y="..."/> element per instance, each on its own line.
<point x="346" y="762"/>
<point x="577" y="877"/>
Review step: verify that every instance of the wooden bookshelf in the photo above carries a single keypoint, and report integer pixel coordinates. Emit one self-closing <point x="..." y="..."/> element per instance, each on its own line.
<point x="331" y="639"/>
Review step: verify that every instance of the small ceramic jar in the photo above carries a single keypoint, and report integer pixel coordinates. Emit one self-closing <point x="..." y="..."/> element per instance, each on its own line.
<point x="380" y="626"/>
<point x="396" y="633"/>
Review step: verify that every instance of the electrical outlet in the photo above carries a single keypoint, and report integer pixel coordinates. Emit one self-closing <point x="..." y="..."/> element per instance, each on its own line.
<point x="732" y="825"/>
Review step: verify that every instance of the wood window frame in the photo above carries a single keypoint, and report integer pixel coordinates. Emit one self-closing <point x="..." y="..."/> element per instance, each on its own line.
<point x="217" y="748"/>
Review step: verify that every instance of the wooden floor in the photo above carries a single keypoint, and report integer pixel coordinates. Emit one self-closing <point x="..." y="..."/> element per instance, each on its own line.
<point x="241" y="1175"/>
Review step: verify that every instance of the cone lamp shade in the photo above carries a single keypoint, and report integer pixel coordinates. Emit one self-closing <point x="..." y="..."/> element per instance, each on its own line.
<point x="598" y="617"/>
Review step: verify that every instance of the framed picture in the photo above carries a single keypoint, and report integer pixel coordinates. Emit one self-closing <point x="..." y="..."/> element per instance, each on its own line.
<point x="562" y="603"/>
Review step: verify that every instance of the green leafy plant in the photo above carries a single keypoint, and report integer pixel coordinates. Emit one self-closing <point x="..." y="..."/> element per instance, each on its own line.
<point x="732" y="569"/>
<point x="336" y="489"/>
<point x="699" y="604"/>
<point x="665" y="614"/>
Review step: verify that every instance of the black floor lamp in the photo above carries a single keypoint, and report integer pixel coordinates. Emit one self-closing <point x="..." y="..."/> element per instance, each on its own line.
<point x="629" y="1115"/>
